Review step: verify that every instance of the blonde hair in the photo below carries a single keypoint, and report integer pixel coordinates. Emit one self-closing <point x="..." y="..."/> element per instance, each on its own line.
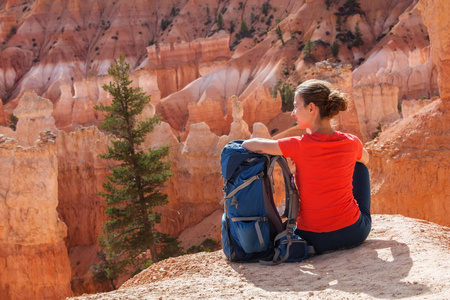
<point x="329" y="101"/>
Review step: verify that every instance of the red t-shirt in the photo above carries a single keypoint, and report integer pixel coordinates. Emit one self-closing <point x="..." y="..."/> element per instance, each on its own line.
<point x="324" y="171"/>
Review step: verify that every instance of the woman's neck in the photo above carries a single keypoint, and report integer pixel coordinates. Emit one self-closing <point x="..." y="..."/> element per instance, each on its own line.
<point x="322" y="126"/>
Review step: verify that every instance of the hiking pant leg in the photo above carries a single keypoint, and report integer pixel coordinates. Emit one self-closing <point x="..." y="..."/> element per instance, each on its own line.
<point x="354" y="234"/>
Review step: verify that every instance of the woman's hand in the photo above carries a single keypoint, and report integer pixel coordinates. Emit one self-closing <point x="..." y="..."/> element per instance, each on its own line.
<point x="260" y="145"/>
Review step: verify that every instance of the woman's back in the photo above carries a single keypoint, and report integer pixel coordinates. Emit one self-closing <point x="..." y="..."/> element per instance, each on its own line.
<point x="325" y="165"/>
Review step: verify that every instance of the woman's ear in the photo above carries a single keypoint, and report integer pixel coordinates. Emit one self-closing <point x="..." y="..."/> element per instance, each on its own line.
<point x="312" y="107"/>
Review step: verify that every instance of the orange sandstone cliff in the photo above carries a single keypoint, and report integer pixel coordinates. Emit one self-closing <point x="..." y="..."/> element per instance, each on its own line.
<point x="410" y="162"/>
<point x="33" y="256"/>
<point x="211" y="86"/>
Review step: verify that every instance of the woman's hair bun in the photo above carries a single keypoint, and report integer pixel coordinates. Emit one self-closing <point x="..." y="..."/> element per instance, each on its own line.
<point x="336" y="102"/>
<point x="321" y="93"/>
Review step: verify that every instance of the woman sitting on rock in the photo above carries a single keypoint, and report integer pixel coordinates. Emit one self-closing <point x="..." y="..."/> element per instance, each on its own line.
<point x="331" y="175"/>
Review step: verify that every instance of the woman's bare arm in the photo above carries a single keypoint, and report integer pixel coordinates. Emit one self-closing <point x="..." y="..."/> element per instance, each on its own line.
<point x="364" y="158"/>
<point x="260" y="145"/>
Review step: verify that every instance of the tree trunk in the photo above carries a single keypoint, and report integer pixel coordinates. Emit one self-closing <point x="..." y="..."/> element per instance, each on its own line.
<point x="154" y="253"/>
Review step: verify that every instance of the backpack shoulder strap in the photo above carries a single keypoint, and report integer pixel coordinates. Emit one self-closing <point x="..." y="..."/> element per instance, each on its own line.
<point x="291" y="193"/>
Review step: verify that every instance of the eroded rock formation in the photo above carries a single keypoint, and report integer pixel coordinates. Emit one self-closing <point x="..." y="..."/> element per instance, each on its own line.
<point x="34" y="114"/>
<point x="33" y="256"/>
<point x="80" y="175"/>
<point x="2" y="115"/>
<point x="192" y="76"/>
<point x="434" y="13"/>
<point x="410" y="161"/>
<point x="410" y="107"/>
<point x="176" y="65"/>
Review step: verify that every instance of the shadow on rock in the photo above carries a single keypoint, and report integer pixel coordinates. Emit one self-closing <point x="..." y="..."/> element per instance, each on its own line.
<point x="376" y="268"/>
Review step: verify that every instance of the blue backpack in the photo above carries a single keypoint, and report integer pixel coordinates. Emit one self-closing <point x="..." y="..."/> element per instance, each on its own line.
<point x="252" y="228"/>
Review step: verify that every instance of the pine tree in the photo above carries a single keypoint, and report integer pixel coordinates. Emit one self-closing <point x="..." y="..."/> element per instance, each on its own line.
<point x="352" y="5"/>
<point x="279" y="34"/>
<point x="339" y="23"/>
<point x="220" y="21"/>
<point x="231" y="26"/>
<point x="287" y="96"/>
<point x="134" y="188"/>
<point x="335" y="49"/>
<point x="307" y="55"/>
<point x="243" y="31"/>
<point x="358" y="41"/>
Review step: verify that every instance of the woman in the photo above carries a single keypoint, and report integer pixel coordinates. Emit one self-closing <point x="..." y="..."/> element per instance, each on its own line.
<point x="331" y="175"/>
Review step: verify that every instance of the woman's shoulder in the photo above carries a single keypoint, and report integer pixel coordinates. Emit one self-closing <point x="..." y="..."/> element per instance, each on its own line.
<point x="349" y="136"/>
<point x="291" y="139"/>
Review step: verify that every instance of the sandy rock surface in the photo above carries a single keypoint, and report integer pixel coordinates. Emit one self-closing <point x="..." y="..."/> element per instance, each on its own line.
<point x="402" y="258"/>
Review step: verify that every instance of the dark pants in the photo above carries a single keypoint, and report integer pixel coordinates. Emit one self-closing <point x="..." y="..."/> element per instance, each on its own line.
<point x="352" y="235"/>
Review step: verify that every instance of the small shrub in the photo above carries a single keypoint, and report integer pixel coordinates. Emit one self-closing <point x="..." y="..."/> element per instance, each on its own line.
<point x="335" y="49"/>
<point x="207" y="245"/>
<point x="377" y="133"/>
<point x="174" y="11"/>
<point x="265" y="8"/>
<point x="165" y="23"/>
<point x="12" y="32"/>
<point x="287" y="93"/>
<point x="171" y="248"/>
<point x="232" y="25"/>
<point x="13" y="120"/>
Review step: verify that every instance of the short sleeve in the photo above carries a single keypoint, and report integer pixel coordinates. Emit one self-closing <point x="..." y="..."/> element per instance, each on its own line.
<point x="289" y="146"/>
<point x="359" y="147"/>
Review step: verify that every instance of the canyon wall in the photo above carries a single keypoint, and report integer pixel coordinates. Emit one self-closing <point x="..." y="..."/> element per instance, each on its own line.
<point x="2" y="115"/>
<point x="172" y="45"/>
<point x="80" y="175"/>
<point x="209" y="90"/>
<point x="399" y="67"/>
<point x="409" y="166"/>
<point x="410" y="160"/>
<point x="33" y="256"/>
<point x="434" y="13"/>
<point x="178" y="64"/>
<point x="60" y="211"/>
